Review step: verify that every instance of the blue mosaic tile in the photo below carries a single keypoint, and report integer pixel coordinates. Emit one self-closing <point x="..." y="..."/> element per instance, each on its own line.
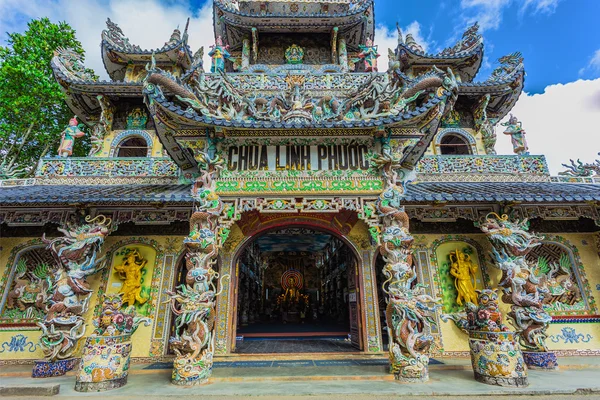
<point x="251" y="364"/>
<point x="334" y="363"/>
<point x="383" y="361"/>
<point x="160" y="365"/>
<point x="222" y="364"/>
<point x="293" y="363"/>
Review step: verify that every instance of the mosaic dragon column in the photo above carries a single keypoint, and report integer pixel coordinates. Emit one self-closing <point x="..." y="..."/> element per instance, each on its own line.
<point x="76" y="254"/>
<point x="194" y="302"/>
<point x="410" y="310"/>
<point x="512" y="241"/>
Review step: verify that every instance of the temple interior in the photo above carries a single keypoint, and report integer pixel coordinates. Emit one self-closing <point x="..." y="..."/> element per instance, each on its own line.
<point x="297" y="284"/>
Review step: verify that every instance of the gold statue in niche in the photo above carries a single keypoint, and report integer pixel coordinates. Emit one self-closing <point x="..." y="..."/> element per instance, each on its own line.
<point x="130" y="271"/>
<point x="463" y="270"/>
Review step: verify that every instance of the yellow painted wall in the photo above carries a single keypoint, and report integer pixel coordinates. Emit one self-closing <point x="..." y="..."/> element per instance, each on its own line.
<point x="586" y="336"/>
<point x="431" y="150"/>
<point x="153" y="248"/>
<point x="157" y="148"/>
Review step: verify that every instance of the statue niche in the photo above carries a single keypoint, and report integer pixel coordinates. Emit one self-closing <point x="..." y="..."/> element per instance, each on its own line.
<point x="131" y="271"/>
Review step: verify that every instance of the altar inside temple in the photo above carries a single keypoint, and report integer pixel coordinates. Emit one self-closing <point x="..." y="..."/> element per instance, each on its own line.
<point x="297" y="284"/>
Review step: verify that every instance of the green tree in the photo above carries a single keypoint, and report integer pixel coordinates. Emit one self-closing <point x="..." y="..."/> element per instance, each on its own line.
<point x="33" y="111"/>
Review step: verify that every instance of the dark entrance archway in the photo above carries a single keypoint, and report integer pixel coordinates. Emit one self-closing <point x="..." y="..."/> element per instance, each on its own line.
<point x="297" y="292"/>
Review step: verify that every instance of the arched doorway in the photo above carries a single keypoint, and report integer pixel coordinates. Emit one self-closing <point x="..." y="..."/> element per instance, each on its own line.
<point x="133" y="147"/>
<point x="297" y="292"/>
<point x="454" y="144"/>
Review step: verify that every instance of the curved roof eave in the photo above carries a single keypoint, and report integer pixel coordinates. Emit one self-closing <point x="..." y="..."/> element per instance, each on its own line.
<point x="230" y="10"/>
<point x="107" y="46"/>
<point x="506" y="91"/>
<point x="190" y="120"/>
<point x="476" y="51"/>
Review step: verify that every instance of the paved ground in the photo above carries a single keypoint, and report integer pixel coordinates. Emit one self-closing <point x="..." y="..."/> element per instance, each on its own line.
<point x="578" y="378"/>
<point x="294" y="346"/>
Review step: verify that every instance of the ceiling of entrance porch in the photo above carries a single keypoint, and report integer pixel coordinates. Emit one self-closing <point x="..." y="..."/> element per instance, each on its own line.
<point x="278" y="241"/>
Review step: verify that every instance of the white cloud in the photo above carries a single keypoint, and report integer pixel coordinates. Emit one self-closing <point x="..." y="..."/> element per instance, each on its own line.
<point x="561" y="123"/>
<point x="147" y="23"/>
<point x="489" y="12"/>
<point x="388" y="39"/>
<point x="543" y="6"/>
<point x="593" y="65"/>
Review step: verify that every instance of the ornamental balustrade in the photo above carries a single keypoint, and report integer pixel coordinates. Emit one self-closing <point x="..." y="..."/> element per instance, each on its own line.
<point x="483" y="164"/>
<point x="107" y="167"/>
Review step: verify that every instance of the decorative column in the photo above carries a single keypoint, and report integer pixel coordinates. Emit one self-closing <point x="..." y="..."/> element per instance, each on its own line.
<point x="521" y="286"/>
<point x="245" y="54"/>
<point x="76" y="254"/>
<point x="410" y="311"/>
<point x="495" y="354"/>
<point x="343" y="54"/>
<point x="114" y="328"/>
<point x="193" y="303"/>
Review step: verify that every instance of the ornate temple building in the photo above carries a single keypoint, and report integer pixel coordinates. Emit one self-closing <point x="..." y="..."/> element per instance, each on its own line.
<point x="295" y="188"/>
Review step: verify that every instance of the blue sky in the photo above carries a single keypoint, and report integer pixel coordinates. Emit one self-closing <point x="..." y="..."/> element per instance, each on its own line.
<point x="560" y="40"/>
<point x="557" y="41"/>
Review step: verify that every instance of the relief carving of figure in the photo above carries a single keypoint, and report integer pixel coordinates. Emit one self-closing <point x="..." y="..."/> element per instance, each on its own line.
<point x="29" y="292"/>
<point x="463" y="269"/>
<point x="130" y="270"/>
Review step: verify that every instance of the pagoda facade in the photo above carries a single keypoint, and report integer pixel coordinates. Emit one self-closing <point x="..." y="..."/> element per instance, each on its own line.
<point x="295" y="131"/>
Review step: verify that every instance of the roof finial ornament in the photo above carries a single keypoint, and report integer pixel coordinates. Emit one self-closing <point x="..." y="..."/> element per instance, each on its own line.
<point x="400" y="36"/>
<point x="115" y="35"/>
<point x="412" y="44"/>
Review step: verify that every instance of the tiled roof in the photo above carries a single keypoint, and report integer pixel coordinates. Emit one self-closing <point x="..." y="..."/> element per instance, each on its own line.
<point x="538" y="192"/>
<point x="171" y="107"/>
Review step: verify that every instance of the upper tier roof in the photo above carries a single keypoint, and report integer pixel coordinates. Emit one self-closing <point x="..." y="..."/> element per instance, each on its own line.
<point x="118" y="52"/>
<point x="465" y="57"/>
<point x="235" y="19"/>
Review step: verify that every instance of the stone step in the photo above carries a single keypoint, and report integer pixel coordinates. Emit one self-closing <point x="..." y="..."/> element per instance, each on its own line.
<point x="44" y="389"/>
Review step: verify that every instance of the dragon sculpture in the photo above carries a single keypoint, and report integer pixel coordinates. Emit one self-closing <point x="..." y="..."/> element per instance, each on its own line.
<point x="484" y="125"/>
<point x="193" y="303"/>
<point x="70" y="62"/>
<point x="508" y="64"/>
<point x="103" y="126"/>
<point x="581" y="170"/>
<point x="522" y="288"/>
<point x="218" y="96"/>
<point x="409" y="309"/>
<point x="76" y="254"/>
